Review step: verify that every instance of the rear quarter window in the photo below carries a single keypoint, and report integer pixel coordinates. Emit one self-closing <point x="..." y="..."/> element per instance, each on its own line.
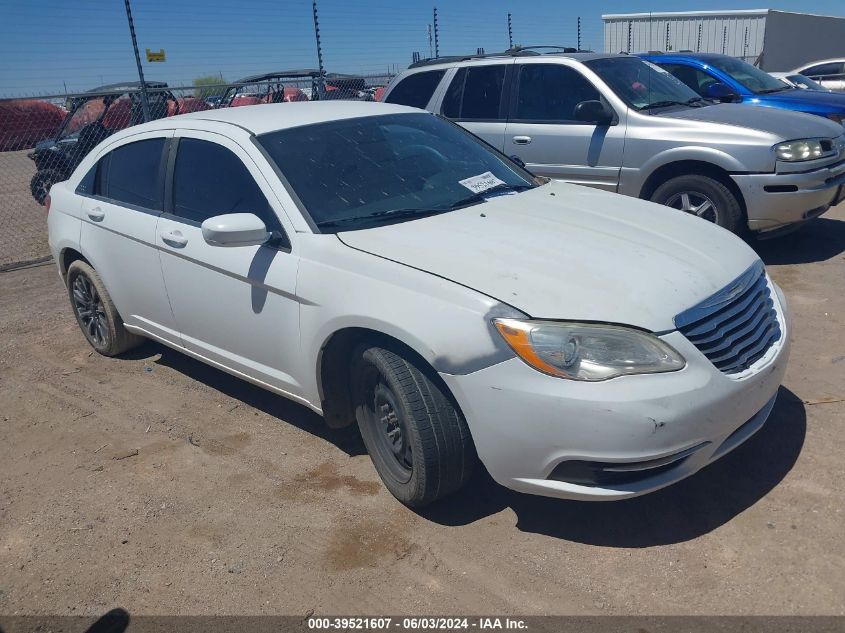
<point x="131" y="174"/>
<point x="416" y="90"/>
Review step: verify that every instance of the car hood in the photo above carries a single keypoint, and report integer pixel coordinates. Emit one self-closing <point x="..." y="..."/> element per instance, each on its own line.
<point x="833" y="101"/>
<point x="563" y="251"/>
<point x="785" y="124"/>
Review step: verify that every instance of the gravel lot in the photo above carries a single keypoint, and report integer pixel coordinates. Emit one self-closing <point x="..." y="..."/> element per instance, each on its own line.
<point x="162" y="486"/>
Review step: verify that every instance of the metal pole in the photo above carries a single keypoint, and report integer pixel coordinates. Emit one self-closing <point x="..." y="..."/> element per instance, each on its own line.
<point x="430" y="49"/>
<point x="510" y="32"/>
<point x="698" y="45"/>
<point x="629" y="36"/>
<point x="579" y="32"/>
<point x="145" y="104"/>
<point x="724" y="38"/>
<point x="321" y="84"/>
<point x="666" y="48"/>
<point x="436" y="35"/>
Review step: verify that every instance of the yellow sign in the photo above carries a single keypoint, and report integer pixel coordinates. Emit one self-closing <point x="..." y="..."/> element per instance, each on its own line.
<point x="155" y="56"/>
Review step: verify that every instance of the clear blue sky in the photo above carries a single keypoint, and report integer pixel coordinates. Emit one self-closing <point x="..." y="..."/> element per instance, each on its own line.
<point x="47" y="44"/>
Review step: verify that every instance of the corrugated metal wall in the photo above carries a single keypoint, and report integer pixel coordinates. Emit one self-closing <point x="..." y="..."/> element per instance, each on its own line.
<point x="737" y="35"/>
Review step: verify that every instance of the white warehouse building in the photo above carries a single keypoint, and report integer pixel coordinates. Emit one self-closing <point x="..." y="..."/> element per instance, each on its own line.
<point x="773" y="40"/>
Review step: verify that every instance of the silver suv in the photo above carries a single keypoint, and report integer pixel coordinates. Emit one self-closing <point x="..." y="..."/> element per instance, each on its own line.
<point x="620" y="123"/>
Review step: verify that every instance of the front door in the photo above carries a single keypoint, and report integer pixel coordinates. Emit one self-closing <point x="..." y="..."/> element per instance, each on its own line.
<point x="543" y="132"/>
<point x="235" y="306"/>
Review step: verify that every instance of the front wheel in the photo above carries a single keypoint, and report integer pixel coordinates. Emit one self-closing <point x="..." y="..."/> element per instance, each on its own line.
<point x="418" y="441"/>
<point x="97" y="317"/>
<point x="704" y="197"/>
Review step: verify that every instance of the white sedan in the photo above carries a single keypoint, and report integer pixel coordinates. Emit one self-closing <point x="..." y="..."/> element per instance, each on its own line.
<point x="384" y="267"/>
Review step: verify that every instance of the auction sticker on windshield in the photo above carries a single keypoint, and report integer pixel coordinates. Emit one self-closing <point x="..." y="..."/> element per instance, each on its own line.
<point x="482" y="182"/>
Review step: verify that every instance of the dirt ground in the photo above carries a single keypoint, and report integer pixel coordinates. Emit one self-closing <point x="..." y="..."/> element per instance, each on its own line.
<point x="24" y="221"/>
<point x="158" y="485"/>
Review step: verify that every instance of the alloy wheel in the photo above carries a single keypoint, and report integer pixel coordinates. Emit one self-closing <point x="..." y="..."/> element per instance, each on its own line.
<point x="695" y="203"/>
<point x="89" y="309"/>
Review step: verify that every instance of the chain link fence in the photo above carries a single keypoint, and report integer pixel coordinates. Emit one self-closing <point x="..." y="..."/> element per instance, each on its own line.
<point x="43" y="140"/>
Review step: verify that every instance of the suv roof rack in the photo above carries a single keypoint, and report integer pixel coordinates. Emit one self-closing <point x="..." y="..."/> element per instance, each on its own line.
<point x="516" y="51"/>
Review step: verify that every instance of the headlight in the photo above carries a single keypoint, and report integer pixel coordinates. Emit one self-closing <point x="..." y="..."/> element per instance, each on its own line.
<point x="793" y="151"/>
<point x="581" y="351"/>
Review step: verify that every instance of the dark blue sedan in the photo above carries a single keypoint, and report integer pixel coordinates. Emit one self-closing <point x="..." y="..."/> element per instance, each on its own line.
<point x="725" y="78"/>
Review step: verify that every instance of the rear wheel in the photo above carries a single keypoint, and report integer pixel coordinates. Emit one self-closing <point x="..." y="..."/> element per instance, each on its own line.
<point x="41" y="182"/>
<point x="704" y="197"/>
<point x="419" y="443"/>
<point x="97" y="317"/>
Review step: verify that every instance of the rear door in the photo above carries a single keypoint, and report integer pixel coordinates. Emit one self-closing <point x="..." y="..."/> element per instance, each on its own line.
<point x="235" y="306"/>
<point x="543" y="132"/>
<point x="477" y="100"/>
<point x="122" y="198"/>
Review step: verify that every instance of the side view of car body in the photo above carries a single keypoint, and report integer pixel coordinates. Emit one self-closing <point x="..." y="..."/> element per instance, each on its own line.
<point x="725" y="78"/>
<point x="408" y="278"/>
<point x="830" y="73"/>
<point x="618" y="123"/>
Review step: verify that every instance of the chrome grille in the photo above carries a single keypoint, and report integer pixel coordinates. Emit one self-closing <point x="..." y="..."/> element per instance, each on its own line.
<point x="735" y="327"/>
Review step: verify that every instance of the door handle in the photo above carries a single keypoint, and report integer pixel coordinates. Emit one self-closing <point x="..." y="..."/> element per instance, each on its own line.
<point x="174" y="238"/>
<point x="521" y="140"/>
<point x="96" y="214"/>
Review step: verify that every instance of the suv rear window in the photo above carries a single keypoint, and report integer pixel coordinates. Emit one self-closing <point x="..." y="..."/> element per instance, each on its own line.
<point x="131" y="174"/>
<point x="416" y="90"/>
<point x="475" y="93"/>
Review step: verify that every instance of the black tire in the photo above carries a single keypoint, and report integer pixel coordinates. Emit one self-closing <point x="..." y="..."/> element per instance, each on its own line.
<point x="725" y="209"/>
<point x="394" y="399"/>
<point x="95" y="313"/>
<point x="41" y="182"/>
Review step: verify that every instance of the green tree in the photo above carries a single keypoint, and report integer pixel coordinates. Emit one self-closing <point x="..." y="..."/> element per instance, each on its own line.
<point x="207" y="80"/>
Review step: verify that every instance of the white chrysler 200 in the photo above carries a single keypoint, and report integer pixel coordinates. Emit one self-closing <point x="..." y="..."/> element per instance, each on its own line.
<point x="383" y="266"/>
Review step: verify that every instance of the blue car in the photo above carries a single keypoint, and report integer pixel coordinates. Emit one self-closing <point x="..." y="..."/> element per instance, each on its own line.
<point x="728" y="79"/>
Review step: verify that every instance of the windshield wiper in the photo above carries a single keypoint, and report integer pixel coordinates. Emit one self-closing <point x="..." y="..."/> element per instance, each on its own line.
<point x="668" y="102"/>
<point x="481" y="196"/>
<point x="383" y="215"/>
<point x="768" y="91"/>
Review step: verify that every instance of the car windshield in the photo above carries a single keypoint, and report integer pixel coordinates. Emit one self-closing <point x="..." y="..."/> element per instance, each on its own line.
<point x="752" y="78"/>
<point x="641" y="84"/>
<point x="362" y="172"/>
<point x="805" y="82"/>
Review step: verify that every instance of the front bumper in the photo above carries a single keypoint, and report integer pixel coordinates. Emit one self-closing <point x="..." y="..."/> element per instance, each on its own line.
<point x="526" y="425"/>
<point x="775" y="200"/>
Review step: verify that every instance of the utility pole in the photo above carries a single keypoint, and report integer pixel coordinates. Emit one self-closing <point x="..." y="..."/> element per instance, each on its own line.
<point x="510" y="32"/>
<point x="436" y="35"/>
<point x="321" y="85"/>
<point x="145" y="104"/>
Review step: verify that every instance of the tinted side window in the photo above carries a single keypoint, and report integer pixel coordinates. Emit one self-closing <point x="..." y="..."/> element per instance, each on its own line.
<point x="454" y="95"/>
<point x="416" y="90"/>
<point x="482" y="94"/>
<point x="86" y="185"/>
<point x="550" y="92"/>
<point x="823" y="69"/>
<point x="131" y="174"/>
<point x="210" y="180"/>
<point x="694" y="78"/>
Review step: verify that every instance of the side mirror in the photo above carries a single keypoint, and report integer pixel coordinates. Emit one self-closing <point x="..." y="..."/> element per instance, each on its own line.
<point x="235" y="229"/>
<point x="593" y="111"/>
<point x="720" y="92"/>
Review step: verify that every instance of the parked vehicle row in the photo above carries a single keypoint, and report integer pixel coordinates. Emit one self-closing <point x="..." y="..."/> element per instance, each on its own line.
<point x="620" y="123"/>
<point x="386" y="268"/>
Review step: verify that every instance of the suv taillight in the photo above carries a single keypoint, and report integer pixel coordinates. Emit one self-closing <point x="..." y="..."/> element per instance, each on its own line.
<point x="47" y="203"/>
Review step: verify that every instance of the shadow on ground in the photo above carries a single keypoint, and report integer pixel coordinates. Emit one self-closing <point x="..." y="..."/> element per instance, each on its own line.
<point x="284" y="410"/>
<point x="684" y="511"/>
<point x="819" y="240"/>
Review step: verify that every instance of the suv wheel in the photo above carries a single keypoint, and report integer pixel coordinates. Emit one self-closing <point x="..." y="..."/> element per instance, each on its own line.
<point x="703" y="196"/>
<point x="97" y="317"/>
<point x="419" y="443"/>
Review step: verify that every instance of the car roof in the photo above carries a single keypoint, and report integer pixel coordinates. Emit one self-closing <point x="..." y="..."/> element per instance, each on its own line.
<point x="833" y="60"/>
<point x="451" y="62"/>
<point x="264" y="118"/>
<point x="128" y="85"/>
<point x="682" y="54"/>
